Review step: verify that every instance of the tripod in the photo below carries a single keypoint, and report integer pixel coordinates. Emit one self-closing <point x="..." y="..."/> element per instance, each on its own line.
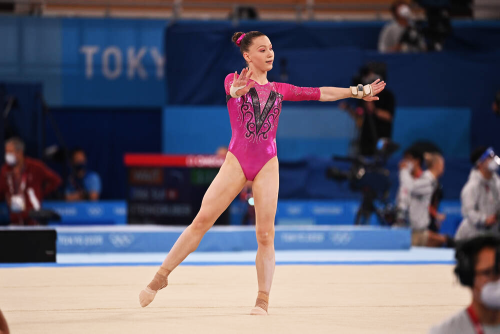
<point x="367" y="208"/>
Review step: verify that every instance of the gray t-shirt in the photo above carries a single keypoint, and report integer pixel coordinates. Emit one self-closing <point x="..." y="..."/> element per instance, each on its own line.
<point x="480" y="199"/>
<point x="460" y="323"/>
<point x="390" y="36"/>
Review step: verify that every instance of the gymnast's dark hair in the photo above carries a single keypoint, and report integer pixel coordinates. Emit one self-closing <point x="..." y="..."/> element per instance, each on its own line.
<point x="247" y="40"/>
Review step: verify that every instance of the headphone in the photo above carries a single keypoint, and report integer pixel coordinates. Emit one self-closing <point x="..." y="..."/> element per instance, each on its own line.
<point x="465" y="270"/>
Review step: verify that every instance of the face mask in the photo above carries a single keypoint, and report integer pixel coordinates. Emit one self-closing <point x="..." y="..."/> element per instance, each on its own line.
<point x="404" y="12"/>
<point x="490" y="295"/>
<point x="10" y="159"/>
<point x="79" y="167"/>
<point x="493" y="165"/>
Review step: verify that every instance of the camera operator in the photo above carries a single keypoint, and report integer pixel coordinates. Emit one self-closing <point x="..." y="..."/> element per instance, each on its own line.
<point x="401" y="35"/>
<point x="410" y="168"/>
<point x="373" y="119"/>
<point x="420" y="202"/>
<point x="481" y="196"/>
<point x="478" y="268"/>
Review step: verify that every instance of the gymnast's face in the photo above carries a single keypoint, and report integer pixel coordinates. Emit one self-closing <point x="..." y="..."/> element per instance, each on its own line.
<point x="260" y="54"/>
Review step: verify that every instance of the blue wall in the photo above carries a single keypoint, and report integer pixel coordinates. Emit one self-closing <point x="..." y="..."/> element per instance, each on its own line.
<point x="448" y="128"/>
<point x="86" y="62"/>
<point x="318" y="129"/>
<point x="312" y="130"/>
<point x="31" y="52"/>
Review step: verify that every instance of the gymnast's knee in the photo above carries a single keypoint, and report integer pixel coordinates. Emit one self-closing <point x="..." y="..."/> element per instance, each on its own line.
<point x="202" y="222"/>
<point x="265" y="236"/>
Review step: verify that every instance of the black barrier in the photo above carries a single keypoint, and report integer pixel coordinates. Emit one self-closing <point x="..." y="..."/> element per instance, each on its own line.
<point x="27" y="245"/>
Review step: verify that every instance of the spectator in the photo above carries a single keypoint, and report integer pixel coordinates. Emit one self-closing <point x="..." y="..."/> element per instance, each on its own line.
<point x="478" y="268"/>
<point x="4" y="328"/>
<point x="401" y="35"/>
<point x="420" y="201"/>
<point x="242" y="12"/>
<point x="24" y="182"/>
<point x="481" y="196"/>
<point x="496" y="104"/>
<point x="83" y="185"/>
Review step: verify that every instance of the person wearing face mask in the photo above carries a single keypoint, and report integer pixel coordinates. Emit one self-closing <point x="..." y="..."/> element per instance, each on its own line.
<point x="410" y="169"/>
<point x="421" y="193"/>
<point x="481" y="196"/>
<point x="24" y="182"/>
<point x="401" y="35"/>
<point x="83" y="185"/>
<point x="478" y="268"/>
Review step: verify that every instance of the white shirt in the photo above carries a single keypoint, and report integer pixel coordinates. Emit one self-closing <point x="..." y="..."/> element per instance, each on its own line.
<point x="390" y="36"/>
<point x="460" y="323"/>
<point x="480" y="199"/>
<point x="420" y="200"/>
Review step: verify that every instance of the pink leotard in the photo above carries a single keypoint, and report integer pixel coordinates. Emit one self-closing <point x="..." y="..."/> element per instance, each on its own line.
<point x="254" y="121"/>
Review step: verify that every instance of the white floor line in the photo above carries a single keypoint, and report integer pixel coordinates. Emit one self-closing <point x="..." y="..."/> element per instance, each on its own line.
<point x="414" y="255"/>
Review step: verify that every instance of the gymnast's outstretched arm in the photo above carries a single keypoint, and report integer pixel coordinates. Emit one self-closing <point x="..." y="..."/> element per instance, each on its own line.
<point x="335" y="93"/>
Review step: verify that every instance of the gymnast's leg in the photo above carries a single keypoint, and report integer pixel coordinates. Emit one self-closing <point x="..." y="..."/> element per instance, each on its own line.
<point x="224" y="188"/>
<point x="265" y="191"/>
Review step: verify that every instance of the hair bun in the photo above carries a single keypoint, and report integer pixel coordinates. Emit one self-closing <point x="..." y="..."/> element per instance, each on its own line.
<point x="236" y="36"/>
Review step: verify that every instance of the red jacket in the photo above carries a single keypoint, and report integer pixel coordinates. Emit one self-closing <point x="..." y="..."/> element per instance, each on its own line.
<point x="36" y="176"/>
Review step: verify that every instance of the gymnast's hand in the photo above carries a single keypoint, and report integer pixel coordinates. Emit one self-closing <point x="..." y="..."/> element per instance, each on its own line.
<point x="242" y="81"/>
<point x="377" y="87"/>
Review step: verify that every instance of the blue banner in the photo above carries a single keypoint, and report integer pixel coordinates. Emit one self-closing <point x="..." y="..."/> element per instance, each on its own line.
<point x="289" y="212"/>
<point x="113" y="62"/>
<point x="87" y="62"/>
<point x="152" y="239"/>
<point x="90" y="213"/>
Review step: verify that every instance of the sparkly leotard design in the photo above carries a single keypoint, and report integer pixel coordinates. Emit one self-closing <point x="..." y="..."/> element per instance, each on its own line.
<point x="254" y="120"/>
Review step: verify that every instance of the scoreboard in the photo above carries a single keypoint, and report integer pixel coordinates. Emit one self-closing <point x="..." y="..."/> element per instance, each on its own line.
<point x="168" y="189"/>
